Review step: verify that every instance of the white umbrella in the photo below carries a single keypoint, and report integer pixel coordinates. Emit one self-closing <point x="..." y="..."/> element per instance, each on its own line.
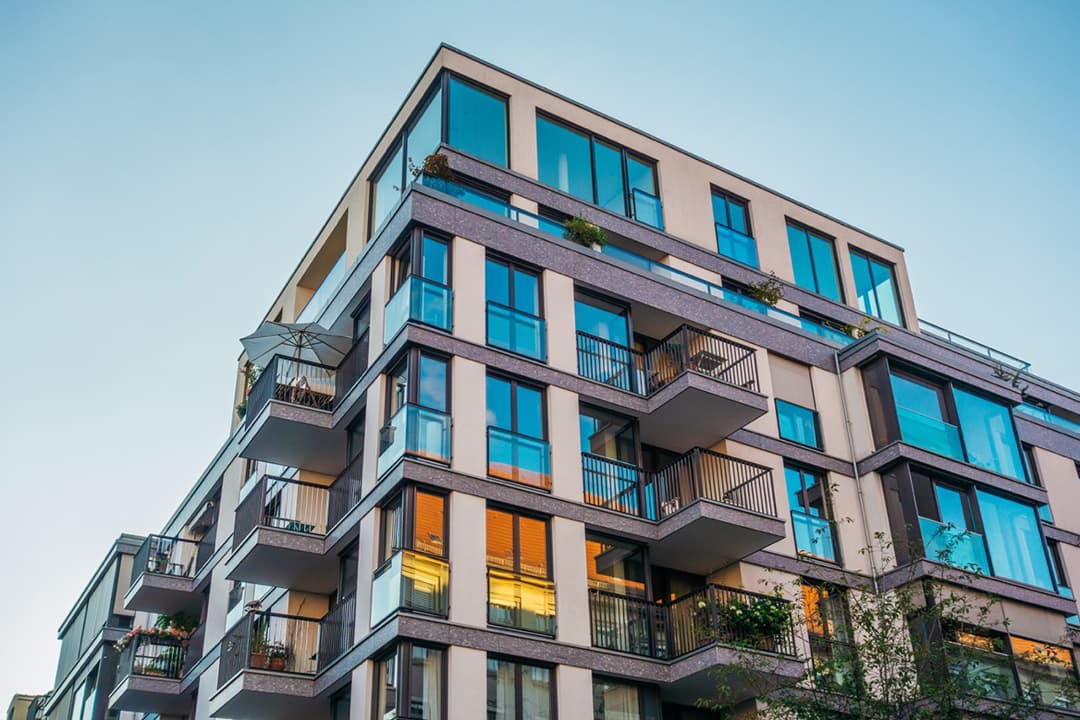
<point x="309" y="342"/>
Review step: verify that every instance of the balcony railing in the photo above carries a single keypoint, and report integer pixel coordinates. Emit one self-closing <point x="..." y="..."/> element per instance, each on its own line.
<point x="1014" y="678"/>
<point x="815" y="536"/>
<point x="647" y="208"/>
<point x="521" y="601"/>
<point x="292" y="381"/>
<point x="686" y="349"/>
<point x="161" y="555"/>
<point x="148" y="656"/>
<point x="973" y="346"/>
<point x="337" y="631"/>
<point x="961" y="548"/>
<point x="419" y="300"/>
<point x="1047" y="416"/>
<point x="345" y="492"/>
<point x="410" y="581"/>
<point x="735" y="245"/>
<point x="519" y="458"/>
<point x="713" y="615"/>
<point x="699" y="474"/>
<point x="516" y="331"/>
<point x="416" y="431"/>
<point x="282" y="504"/>
<point x="351" y="367"/>
<point x="930" y="433"/>
<point x="269" y="641"/>
<point x="195" y="646"/>
<point x="325" y="292"/>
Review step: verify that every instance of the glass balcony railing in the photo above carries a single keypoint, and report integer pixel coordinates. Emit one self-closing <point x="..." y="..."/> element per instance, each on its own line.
<point x="421" y="301"/>
<point x="973" y="346"/>
<point x="414" y="430"/>
<point x="647" y="208"/>
<point x="986" y="674"/>
<point x="1047" y="416"/>
<point x="521" y="601"/>
<point x="814" y="535"/>
<point x="735" y="245"/>
<point x="930" y="433"/>
<point x="410" y="581"/>
<point x="322" y="296"/>
<point x="516" y="331"/>
<point x="954" y="546"/>
<point x="519" y="458"/>
<point x="556" y="228"/>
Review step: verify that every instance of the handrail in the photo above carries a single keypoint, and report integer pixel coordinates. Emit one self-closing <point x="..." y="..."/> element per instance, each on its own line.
<point x="972" y="346"/>
<point x="166" y="555"/>
<point x="300" y="507"/>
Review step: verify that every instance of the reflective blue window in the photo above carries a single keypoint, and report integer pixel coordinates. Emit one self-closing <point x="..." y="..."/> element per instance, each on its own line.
<point x="810" y="513"/>
<point x="387" y="188"/>
<point x="435" y="260"/>
<point x="425" y="135"/>
<point x="477" y="122"/>
<point x="564" y="159"/>
<point x="1017" y="550"/>
<point x="432" y="388"/>
<point x="814" y="261"/>
<point x="602" y="321"/>
<point x="921" y="412"/>
<point x="610" y="184"/>
<point x="875" y="288"/>
<point x="733" y="238"/>
<point x="989" y="438"/>
<point x="513" y="309"/>
<point x="797" y="424"/>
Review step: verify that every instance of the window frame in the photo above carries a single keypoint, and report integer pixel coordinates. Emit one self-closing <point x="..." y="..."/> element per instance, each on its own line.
<point x="515" y="515"/>
<point x="831" y="240"/>
<point x="516" y="383"/>
<point x="410" y="248"/>
<point x="444" y="79"/>
<point x="822" y="478"/>
<point x="401" y="652"/>
<point x="728" y="198"/>
<point x="519" y="665"/>
<point x="817" y="424"/>
<point x="872" y="258"/>
<point x="411" y="357"/>
<point x="404" y="502"/>
<point x="511" y="266"/>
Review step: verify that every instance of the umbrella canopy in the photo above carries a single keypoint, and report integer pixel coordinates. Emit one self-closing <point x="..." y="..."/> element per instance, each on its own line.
<point x="310" y="342"/>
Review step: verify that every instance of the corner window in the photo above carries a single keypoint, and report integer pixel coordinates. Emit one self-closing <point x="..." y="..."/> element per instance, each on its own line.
<point x="811" y="514"/>
<point x="410" y="682"/>
<point x="813" y="258"/>
<point x="798" y="424"/>
<point x="477" y="122"/>
<point x="519" y="691"/>
<point x="989" y="438"/>
<point x="875" y="287"/>
<point x="731" y="217"/>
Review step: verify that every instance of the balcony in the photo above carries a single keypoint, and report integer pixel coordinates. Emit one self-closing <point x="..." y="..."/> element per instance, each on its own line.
<point x="521" y="602"/>
<point x="163" y="574"/>
<point x="948" y="544"/>
<point x="418" y="300"/>
<point x="289" y="416"/>
<point x="345" y="492"/>
<point x="337" y="632"/>
<point x="701" y="387"/>
<point x="699" y="497"/>
<point x="519" y="458"/>
<point x="930" y="433"/>
<point x="416" y="431"/>
<point x="733" y="244"/>
<point x="148" y="677"/>
<point x="517" y="332"/>
<point x="278" y="536"/>
<point x="410" y="581"/>
<point x="325" y="292"/>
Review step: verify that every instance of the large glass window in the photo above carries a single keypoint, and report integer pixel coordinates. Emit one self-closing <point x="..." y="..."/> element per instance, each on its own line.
<point x="811" y="515"/>
<point x="921" y="411"/>
<point x="419" y="284"/>
<point x="597" y="171"/>
<point x="520" y="592"/>
<point x="814" y="260"/>
<point x="875" y="287"/>
<point x="517" y="449"/>
<point x="732" y="219"/>
<point x="477" y="122"/>
<point x="386" y="187"/>
<point x="947" y="525"/>
<point x="615" y="567"/>
<point x="798" y="424"/>
<point x="1015" y="541"/>
<point x="989" y="438"/>
<point x="517" y="691"/>
<point x="517" y="543"/>
<point x="410" y="682"/>
<point x="833" y="658"/>
<point x="417" y="403"/>
<point x="514" y="311"/>
<point x="622" y="700"/>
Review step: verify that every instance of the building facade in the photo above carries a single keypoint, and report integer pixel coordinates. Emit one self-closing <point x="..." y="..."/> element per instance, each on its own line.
<point x="545" y="453"/>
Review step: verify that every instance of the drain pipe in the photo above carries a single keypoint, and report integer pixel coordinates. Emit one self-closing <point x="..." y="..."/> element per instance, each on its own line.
<point x="855" y="470"/>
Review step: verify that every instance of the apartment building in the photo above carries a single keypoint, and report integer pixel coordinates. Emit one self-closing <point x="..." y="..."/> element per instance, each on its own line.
<point x="538" y="456"/>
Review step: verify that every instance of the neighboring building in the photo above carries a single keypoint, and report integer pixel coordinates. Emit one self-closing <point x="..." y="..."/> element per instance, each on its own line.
<point x="19" y="707"/>
<point x="540" y="459"/>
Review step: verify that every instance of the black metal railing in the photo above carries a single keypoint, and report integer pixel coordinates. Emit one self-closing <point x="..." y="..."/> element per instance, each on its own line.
<point x="270" y="641"/>
<point x="194" y="652"/>
<point x="162" y="555"/>
<point x="698" y="474"/>
<point x="151" y="656"/>
<point x="282" y="504"/>
<point x="351" y="367"/>
<point x="293" y="381"/>
<point x="336" y="631"/>
<point x="345" y="492"/>
<point x="712" y="615"/>
<point x="686" y="349"/>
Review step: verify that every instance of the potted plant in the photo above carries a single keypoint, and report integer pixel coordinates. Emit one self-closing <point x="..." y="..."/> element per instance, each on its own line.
<point x="260" y="655"/>
<point x="435" y="165"/>
<point x="277" y="654"/>
<point x="755" y="622"/>
<point x="583" y="232"/>
<point x="768" y="291"/>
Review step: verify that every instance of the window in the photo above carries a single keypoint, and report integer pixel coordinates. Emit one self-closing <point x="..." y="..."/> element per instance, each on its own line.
<point x="517" y="691"/>
<point x="811" y="515"/>
<point x="604" y="348"/>
<point x="947" y="524"/>
<point x="414" y="520"/>
<point x="597" y="171"/>
<point x="1057" y="567"/>
<point x="520" y="592"/>
<point x="517" y="449"/>
<point x="609" y="461"/>
<point x="614" y="566"/>
<point x="340" y="704"/>
<point x="622" y="700"/>
<point x="419" y="284"/>
<point x="1014" y="539"/>
<point x="477" y="121"/>
<point x="514" y="313"/>
<point x="798" y="424"/>
<point x="1032" y="465"/>
<point x="412" y="573"/>
<point x="732" y="219"/>
<point x="989" y="438"/>
<point x="875" y="287"/>
<point x="410" y="683"/>
<point x="348" y="573"/>
<point x="814" y="261"/>
<point x="417" y="403"/>
<point x="828" y="626"/>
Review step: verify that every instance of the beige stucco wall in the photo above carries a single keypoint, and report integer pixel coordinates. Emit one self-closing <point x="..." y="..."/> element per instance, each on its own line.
<point x="571" y="581"/>
<point x="468" y="560"/>
<point x="562" y="424"/>
<point x="469" y="400"/>
<point x="559" y="312"/>
<point x="575" y="692"/>
<point x="470" y="294"/>
<point x="466" y="683"/>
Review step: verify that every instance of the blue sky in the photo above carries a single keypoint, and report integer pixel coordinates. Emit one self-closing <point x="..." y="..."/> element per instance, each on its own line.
<point x="163" y="165"/>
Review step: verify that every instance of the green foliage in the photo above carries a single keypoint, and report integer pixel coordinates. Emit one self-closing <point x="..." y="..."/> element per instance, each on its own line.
<point x="435" y="165"/>
<point x="769" y="291"/>
<point x="754" y="620"/>
<point x="585" y="233"/>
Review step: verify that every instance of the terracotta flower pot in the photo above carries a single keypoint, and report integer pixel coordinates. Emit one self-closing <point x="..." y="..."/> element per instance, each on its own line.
<point x="259" y="659"/>
<point x="277" y="663"/>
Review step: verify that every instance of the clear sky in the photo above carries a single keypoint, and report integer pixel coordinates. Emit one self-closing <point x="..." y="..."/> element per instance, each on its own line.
<point x="164" y="165"/>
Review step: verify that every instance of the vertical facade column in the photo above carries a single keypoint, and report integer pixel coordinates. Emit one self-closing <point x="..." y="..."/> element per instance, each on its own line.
<point x="468" y="560"/>
<point x="470" y="299"/>
<point x="559" y="312"/>
<point x="574" y="685"/>
<point x="571" y="582"/>
<point x="466" y="684"/>
<point x="360" y="702"/>
<point x="469" y="403"/>
<point x="562" y="407"/>
<point x="380" y="288"/>
<point x="366" y="560"/>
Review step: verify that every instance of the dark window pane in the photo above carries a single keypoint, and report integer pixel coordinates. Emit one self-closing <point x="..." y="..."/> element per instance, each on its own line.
<point x="610" y="192"/>
<point x="426" y="135"/>
<point x="801" y="263"/>
<point x="477" y="122"/>
<point x="738" y="216"/>
<point x="425" y="684"/>
<point x="432" y="383"/>
<point x="499" y="409"/>
<point x="563" y="157"/>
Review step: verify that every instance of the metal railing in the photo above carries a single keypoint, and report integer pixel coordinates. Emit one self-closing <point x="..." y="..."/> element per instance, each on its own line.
<point x="518" y="458"/>
<point x="282" y="504"/>
<point x="413" y="581"/>
<point x="712" y="615"/>
<point x="345" y="492"/>
<point x="521" y="601"/>
<point x="516" y="331"/>
<point x="973" y="346"/>
<point x="292" y="381"/>
<point x="337" y="631"/>
<point x="195" y="647"/>
<point x="352" y="366"/>
<point x="698" y="474"/>
<point x="149" y="656"/>
<point x="162" y="555"/>
<point x="686" y="349"/>
<point x="270" y="641"/>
